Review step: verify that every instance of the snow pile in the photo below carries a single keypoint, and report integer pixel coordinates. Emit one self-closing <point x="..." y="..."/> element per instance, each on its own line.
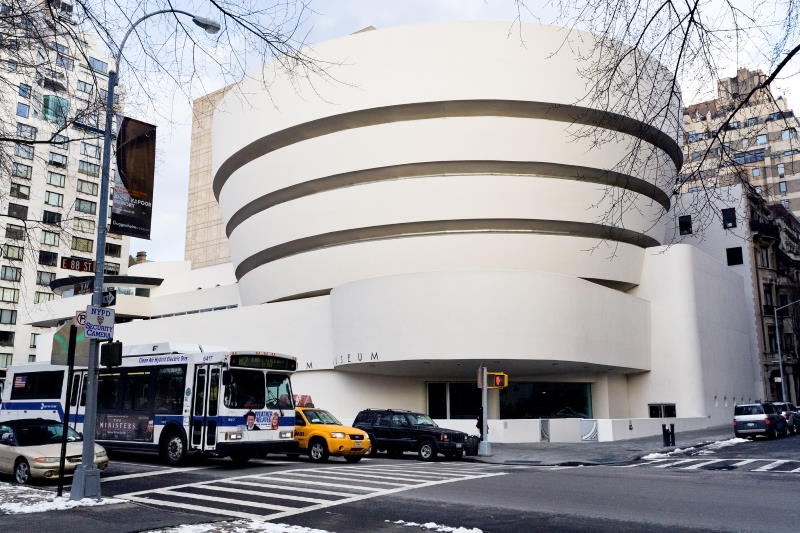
<point x="710" y="449"/>
<point x="19" y="499"/>
<point x="433" y="526"/>
<point x="239" y="526"/>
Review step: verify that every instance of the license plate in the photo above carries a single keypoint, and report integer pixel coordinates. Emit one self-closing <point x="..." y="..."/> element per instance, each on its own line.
<point x="357" y="444"/>
<point x="750" y="424"/>
<point x="459" y="445"/>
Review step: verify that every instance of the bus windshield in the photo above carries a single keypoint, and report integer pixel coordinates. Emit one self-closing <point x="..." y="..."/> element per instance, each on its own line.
<point x="246" y="390"/>
<point x="279" y="392"/>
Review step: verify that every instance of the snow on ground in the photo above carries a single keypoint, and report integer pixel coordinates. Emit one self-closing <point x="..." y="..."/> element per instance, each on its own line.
<point x="433" y="526"/>
<point x="709" y="449"/>
<point x="18" y="499"/>
<point x="239" y="526"/>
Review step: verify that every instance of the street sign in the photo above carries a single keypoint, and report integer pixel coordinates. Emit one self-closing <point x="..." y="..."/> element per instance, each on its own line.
<point x="109" y="297"/>
<point x="77" y="263"/>
<point x="99" y="322"/>
<point x="80" y="318"/>
<point x="84" y="287"/>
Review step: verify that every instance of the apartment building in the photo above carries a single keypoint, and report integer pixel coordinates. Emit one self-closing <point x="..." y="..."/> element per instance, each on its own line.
<point x="54" y="86"/>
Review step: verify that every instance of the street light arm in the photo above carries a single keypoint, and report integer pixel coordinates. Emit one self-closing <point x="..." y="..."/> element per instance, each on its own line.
<point x="787" y="305"/>
<point x="118" y="55"/>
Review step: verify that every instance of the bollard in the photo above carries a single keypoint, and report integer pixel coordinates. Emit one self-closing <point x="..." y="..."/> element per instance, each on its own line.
<point x="672" y="434"/>
<point x="664" y="435"/>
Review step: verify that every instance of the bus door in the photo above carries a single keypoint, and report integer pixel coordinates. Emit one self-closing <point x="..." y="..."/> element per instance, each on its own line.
<point x="77" y="408"/>
<point x="205" y="406"/>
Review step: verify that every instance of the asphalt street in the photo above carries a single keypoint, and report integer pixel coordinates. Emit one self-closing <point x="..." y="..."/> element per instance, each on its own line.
<point x="745" y="487"/>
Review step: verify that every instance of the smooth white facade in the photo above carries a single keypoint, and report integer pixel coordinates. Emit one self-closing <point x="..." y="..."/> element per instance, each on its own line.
<point x="420" y="276"/>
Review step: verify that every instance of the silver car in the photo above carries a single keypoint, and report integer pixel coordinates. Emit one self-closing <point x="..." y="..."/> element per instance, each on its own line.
<point x="789" y="412"/>
<point x="753" y="419"/>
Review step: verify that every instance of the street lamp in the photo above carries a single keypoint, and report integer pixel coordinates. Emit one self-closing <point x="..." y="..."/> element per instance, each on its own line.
<point x="780" y="353"/>
<point x="86" y="481"/>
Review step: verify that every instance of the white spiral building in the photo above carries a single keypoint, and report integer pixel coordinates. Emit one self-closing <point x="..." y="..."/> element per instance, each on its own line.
<point x="437" y="199"/>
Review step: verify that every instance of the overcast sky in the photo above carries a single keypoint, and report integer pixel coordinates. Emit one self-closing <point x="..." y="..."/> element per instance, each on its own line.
<point x="331" y="19"/>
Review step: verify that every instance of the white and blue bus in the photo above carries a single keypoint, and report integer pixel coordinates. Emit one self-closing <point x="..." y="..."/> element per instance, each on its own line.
<point x="171" y="399"/>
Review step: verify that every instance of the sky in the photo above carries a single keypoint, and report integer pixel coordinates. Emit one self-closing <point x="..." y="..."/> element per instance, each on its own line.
<point x="328" y="20"/>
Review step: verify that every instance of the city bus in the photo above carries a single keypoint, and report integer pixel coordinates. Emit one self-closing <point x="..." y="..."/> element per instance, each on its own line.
<point x="171" y="399"/>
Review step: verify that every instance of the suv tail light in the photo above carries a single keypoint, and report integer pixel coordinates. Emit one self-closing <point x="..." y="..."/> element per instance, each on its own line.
<point x="734" y="421"/>
<point x="767" y="421"/>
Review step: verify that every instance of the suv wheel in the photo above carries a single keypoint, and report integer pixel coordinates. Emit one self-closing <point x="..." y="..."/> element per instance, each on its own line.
<point x="318" y="451"/>
<point x="426" y="450"/>
<point x="373" y="446"/>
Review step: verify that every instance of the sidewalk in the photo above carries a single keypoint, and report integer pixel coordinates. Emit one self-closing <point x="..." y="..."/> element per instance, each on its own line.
<point x="594" y="453"/>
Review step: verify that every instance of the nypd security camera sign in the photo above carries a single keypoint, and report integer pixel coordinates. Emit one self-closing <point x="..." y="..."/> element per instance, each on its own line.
<point x="99" y="322"/>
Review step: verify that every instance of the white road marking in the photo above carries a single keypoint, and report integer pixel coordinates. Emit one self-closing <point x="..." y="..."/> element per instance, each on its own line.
<point x="770" y="466"/>
<point x="191" y="507"/>
<point x="701" y="464"/>
<point x="220" y="499"/>
<point x="155" y="473"/>
<point x="292" y="488"/>
<point x="275" y="495"/>
<point x="335" y="475"/>
<point x="675" y="463"/>
<point x="745" y="462"/>
<point x="115" y="462"/>
<point x="321" y="483"/>
<point x="374" y="475"/>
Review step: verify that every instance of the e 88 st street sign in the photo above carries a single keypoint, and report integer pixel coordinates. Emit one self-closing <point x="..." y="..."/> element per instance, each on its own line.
<point x="99" y="322"/>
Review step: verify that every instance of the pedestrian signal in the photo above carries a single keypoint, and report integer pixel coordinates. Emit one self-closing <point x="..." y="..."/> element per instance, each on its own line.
<point x="497" y="380"/>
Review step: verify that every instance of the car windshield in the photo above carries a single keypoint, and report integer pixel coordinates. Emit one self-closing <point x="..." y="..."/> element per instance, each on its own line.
<point x="421" y="420"/>
<point x="780" y="406"/>
<point x="318" y="416"/>
<point x="748" y="410"/>
<point x="39" y="434"/>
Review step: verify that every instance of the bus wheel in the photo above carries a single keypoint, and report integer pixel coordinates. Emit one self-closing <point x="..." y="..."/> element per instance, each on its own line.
<point x="240" y="459"/>
<point x="318" y="451"/>
<point x="173" y="448"/>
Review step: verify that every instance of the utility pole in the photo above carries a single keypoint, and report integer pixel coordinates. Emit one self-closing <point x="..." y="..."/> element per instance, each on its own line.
<point x="484" y="448"/>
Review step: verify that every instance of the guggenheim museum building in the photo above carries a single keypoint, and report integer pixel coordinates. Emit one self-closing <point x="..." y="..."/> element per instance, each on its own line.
<point x="434" y="198"/>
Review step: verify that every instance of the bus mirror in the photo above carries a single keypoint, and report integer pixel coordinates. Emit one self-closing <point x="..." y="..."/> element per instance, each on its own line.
<point x="226" y="378"/>
<point x="111" y="354"/>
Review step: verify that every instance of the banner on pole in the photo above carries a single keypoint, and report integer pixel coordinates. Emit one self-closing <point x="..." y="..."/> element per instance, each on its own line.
<point x="132" y="211"/>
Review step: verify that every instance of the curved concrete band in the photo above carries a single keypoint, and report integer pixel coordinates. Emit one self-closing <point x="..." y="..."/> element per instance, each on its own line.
<point x="438" y="168"/>
<point x="442" y="109"/>
<point x="440" y="227"/>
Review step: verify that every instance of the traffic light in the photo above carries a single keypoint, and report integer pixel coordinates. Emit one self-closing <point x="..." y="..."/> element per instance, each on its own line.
<point x="496" y="380"/>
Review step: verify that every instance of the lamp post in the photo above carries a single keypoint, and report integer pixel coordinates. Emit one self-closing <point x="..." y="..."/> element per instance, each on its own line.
<point x="86" y="481"/>
<point x="780" y="353"/>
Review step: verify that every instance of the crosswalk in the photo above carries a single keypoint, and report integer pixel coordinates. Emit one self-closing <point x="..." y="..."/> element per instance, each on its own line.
<point x="283" y="493"/>
<point x="777" y="466"/>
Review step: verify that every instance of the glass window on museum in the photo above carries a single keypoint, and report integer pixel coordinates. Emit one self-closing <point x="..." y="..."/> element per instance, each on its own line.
<point x="734" y="256"/>
<point x="546" y="400"/>
<point x="729" y="218"/>
<point x="685" y="224"/>
<point x="454" y="400"/>
<point x="661" y="410"/>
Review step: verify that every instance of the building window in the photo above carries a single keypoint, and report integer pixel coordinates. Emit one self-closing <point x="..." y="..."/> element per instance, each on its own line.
<point x="14" y="232"/>
<point x="82" y="245"/>
<point x="8" y="316"/>
<point x="26" y="132"/>
<point x="697" y="156"/>
<point x="84" y="87"/>
<point x="729" y="218"/>
<point x="23" y="110"/>
<point x="44" y="278"/>
<point x="32" y="358"/>
<point x="685" y="224"/>
<point x="83" y="224"/>
<point x="745" y="143"/>
<point x="91" y="150"/>
<point x="761" y="139"/>
<point x="18" y="211"/>
<point x="114" y="250"/>
<point x="768" y="300"/>
<point x="24" y="90"/>
<point x="34" y="339"/>
<point x="90" y="169"/>
<point x="751" y="121"/>
<point x="55" y="179"/>
<point x="752" y="156"/>
<point x="85" y="206"/>
<point x="756" y="172"/>
<point x="65" y="62"/>
<point x="53" y="198"/>
<point x="789" y="134"/>
<point x="9" y="273"/>
<point x="23" y="192"/>
<point x="782" y="189"/>
<point x="662" y="410"/>
<point x="25" y="151"/>
<point x="58" y="160"/>
<point x="42" y="297"/>
<point x="113" y="269"/>
<point x="61" y="142"/>
<point x="734" y="255"/>
<point x="49" y="217"/>
<point x="763" y="257"/>
<point x="55" y="109"/>
<point x="781" y="170"/>
<point x="87" y="187"/>
<point x="773" y="346"/>
<point x="48" y="258"/>
<point x="13" y="252"/>
<point x="49" y="238"/>
<point x="18" y="170"/>
<point x="7" y="339"/>
<point x="9" y="295"/>
<point x="98" y="66"/>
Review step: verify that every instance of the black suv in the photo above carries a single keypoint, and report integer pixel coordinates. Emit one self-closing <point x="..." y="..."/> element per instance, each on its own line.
<point x="397" y="431"/>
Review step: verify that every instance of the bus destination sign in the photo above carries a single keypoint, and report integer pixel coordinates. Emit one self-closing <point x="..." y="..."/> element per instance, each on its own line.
<point x="267" y="362"/>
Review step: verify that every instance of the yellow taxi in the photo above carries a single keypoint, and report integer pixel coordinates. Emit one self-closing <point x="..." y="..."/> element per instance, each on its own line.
<point x="319" y="434"/>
